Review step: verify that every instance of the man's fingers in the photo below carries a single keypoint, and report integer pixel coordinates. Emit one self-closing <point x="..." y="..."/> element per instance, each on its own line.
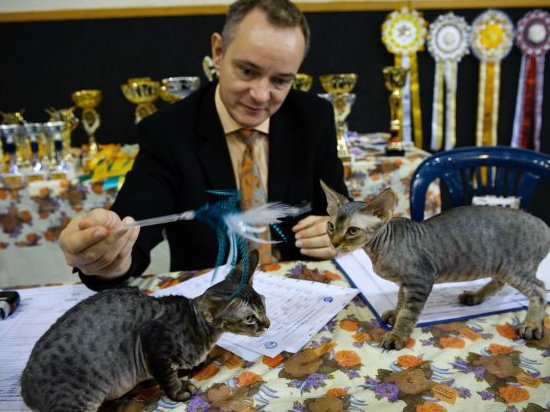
<point x="304" y="223"/>
<point x="76" y="242"/>
<point x="319" y="253"/>
<point x="313" y="242"/>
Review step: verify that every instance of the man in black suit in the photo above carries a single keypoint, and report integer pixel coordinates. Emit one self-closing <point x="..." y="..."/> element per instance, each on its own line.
<point x="190" y="148"/>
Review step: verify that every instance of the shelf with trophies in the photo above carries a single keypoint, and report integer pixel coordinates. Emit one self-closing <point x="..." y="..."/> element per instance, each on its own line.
<point x="374" y="161"/>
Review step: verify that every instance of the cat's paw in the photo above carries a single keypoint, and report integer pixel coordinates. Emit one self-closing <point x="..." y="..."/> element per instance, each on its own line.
<point x="529" y="331"/>
<point x="469" y="298"/>
<point x="392" y="340"/>
<point x="183" y="393"/>
<point x="389" y="317"/>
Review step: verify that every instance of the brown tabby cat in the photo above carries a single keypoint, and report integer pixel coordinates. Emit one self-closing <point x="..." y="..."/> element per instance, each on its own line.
<point x="105" y="345"/>
<point x="463" y="243"/>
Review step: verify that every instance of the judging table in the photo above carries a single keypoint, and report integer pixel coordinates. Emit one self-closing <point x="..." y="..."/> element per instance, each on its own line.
<point x="371" y="171"/>
<point x="479" y="364"/>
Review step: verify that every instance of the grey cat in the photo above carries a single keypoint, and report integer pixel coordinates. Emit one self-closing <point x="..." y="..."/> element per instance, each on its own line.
<point x="462" y="243"/>
<point x="108" y="343"/>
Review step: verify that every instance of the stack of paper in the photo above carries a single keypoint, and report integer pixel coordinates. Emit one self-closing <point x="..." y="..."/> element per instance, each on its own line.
<point x="297" y="309"/>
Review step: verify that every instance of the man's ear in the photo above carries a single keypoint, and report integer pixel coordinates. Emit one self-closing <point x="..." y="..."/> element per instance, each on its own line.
<point x="334" y="199"/>
<point x="216" y="42"/>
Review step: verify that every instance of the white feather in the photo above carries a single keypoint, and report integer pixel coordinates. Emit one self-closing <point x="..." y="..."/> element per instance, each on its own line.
<point x="250" y="223"/>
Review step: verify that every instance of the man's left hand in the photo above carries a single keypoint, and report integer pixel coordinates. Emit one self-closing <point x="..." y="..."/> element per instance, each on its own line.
<point x="312" y="239"/>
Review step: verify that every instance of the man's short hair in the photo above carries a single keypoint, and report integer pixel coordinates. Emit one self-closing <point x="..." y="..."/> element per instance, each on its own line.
<point x="280" y="13"/>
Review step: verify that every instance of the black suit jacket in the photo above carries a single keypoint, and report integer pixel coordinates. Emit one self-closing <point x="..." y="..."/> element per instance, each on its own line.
<point x="183" y="154"/>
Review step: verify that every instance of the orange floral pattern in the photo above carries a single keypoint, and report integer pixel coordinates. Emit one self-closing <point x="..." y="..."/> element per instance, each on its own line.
<point x="347" y="358"/>
<point x="408" y="361"/>
<point x="507" y="331"/>
<point x="452" y="342"/>
<point x="349" y="325"/>
<point x="512" y="394"/>
<point x="430" y="407"/>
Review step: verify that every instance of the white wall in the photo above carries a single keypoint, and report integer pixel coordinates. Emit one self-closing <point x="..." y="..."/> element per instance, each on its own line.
<point x="11" y="6"/>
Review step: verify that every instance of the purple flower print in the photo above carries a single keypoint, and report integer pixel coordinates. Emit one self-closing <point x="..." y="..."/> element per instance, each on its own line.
<point x="197" y="404"/>
<point x="387" y="390"/>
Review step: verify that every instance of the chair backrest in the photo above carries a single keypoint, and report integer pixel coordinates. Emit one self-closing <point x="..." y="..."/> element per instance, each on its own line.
<point x="477" y="171"/>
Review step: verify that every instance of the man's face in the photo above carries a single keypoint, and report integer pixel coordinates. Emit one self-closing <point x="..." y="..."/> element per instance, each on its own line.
<point x="257" y="68"/>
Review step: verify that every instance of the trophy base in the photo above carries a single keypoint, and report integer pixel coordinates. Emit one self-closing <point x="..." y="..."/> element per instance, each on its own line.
<point x="346" y="158"/>
<point x="394" y="152"/>
<point x="57" y="175"/>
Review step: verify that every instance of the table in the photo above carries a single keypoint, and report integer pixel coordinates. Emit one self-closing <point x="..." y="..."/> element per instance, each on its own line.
<point x="474" y="365"/>
<point x="372" y="171"/>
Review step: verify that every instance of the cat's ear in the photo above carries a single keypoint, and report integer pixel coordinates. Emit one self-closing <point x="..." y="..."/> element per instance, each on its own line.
<point x="382" y="206"/>
<point x="237" y="272"/>
<point x="212" y="306"/>
<point x="253" y="260"/>
<point x="334" y="199"/>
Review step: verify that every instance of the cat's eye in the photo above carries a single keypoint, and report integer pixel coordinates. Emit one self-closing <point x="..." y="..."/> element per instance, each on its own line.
<point x="352" y="231"/>
<point x="330" y="228"/>
<point x="250" y="319"/>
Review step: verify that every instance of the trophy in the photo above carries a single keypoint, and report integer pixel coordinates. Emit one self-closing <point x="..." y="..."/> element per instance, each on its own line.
<point x="209" y="68"/>
<point x="71" y="123"/>
<point x="142" y="91"/>
<point x="87" y="100"/>
<point x="395" y="78"/>
<point x="12" y="176"/>
<point x="36" y="170"/>
<point x="302" y="81"/>
<point x="177" y="88"/>
<point x="58" y="166"/>
<point x="338" y="88"/>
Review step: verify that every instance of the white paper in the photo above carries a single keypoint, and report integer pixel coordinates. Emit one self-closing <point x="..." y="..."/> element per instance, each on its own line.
<point x="442" y="304"/>
<point x="38" y="310"/>
<point x="297" y="309"/>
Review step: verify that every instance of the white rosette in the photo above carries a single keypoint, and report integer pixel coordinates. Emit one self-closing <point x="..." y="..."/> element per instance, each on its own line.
<point x="448" y="42"/>
<point x="404" y="34"/>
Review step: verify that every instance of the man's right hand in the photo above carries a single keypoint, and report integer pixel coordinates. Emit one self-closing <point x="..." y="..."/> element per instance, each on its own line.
<point x="94" y="243"/>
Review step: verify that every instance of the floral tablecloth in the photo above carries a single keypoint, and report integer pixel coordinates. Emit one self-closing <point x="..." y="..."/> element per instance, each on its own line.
<point x="460" y="366"/>
<point x="35" y="214"/>
<point x="372" y="171"/>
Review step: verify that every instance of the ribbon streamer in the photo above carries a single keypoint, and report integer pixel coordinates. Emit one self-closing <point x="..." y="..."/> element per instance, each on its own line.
<point x="533" y="39"/>
<point x="447" y="43"/>
<point x="491" y="40"/>
<point x="404" y="33"/>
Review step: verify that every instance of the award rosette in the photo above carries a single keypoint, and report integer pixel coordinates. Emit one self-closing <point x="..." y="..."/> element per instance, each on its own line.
<point x="533" y="39"/>
<point x="448" y="42"/>
<point x="491" y="39"/>
<point x="404" y="34"/>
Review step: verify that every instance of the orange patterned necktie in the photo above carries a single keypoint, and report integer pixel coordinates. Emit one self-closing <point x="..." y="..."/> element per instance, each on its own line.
<point x="252" y="191"/>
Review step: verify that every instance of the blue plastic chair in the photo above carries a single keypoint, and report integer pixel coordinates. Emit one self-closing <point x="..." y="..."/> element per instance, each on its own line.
<point x="478" y="171"/>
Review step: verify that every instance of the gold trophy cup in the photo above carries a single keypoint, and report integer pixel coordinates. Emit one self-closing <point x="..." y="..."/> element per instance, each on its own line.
<point x="303" y="82"/>
<point x="142" y="91"/>
<point x="87" y="100"/>
<point x="395" y="78"/>
<point x="338" y="88"/>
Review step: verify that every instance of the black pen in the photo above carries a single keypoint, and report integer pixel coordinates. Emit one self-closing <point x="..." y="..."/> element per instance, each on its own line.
<point x="9" y="300"/>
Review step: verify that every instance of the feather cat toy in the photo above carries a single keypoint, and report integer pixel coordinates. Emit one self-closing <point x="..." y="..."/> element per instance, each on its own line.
<point x="231" y="224"/>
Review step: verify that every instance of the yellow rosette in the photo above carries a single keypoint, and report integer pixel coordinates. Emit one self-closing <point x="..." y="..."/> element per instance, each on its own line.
<point x="448" y="42"/>
<point x="404" y="34"/>
<point x="491" y="39"/>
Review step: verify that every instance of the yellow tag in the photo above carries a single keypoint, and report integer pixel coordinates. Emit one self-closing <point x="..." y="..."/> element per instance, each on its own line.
<point x="445" y="393"/>
<point x="528" y="380"/>
<point x="469" y="333"/>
